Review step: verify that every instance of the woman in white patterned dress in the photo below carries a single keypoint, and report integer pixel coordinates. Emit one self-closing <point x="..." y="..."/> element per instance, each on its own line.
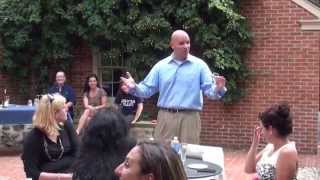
<point x="279" y="159"/>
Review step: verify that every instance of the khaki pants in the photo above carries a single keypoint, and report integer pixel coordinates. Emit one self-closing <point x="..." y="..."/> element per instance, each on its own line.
<point x="185" y="125"/>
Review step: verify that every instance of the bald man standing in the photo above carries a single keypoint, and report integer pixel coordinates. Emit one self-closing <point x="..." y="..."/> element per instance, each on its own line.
<point x="181" y="80"/>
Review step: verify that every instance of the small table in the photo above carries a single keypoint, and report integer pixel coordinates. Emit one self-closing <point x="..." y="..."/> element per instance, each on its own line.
<point x="212" y="154"/>
<point x="16" y="114"/>
<point x="15" y="123"/>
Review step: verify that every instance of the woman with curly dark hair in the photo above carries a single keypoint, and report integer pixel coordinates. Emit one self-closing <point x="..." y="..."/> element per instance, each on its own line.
<point x="279" y="159"/>
<point x="105" y="144"/>
<point x="94" y="98"/>
<point x="151" y="161"/>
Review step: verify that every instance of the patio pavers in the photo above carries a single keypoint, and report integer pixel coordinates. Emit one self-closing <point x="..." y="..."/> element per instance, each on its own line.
<point x="12" y="167"/>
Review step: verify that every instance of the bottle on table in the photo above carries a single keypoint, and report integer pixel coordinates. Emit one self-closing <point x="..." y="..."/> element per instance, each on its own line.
<point x="175" y="144"/>
<point x="36" y="102"/>
<point x="29" y="102"/>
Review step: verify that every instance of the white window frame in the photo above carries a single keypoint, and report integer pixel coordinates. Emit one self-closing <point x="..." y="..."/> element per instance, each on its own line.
<point x="99" y="69"/>
<point x="309" y="25"/>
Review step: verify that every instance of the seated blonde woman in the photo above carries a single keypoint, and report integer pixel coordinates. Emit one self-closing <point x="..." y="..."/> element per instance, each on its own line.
<point x="50" y="148"/>
<point x="279" y="159"/>
<point x="94" y="98"/>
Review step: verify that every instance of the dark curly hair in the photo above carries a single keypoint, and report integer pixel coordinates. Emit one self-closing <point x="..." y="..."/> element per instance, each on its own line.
<point x="105" y="144"/>
<point x="279" y="117"/>
<point x="86" y="87"/>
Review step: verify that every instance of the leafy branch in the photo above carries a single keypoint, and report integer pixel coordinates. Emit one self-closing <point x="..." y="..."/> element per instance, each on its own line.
<point x="39" y="35"/>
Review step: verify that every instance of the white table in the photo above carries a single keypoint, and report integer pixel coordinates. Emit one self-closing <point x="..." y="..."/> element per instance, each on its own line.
<point x="212" y="154"/>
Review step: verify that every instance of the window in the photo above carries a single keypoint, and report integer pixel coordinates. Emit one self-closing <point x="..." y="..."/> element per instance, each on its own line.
<point x="312" y="6"/>
<point x="109" y="72"/>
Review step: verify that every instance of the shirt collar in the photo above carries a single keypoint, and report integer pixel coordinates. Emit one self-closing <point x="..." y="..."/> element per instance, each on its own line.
<point x="189" y="58"/>
<point x="57" y="86"/>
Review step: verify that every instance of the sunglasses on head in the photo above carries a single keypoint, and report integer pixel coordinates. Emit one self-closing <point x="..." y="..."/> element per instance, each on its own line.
<point x="51" y="98"/>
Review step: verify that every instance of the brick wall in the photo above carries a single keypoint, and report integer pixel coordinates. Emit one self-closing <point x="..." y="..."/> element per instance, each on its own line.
<point x="286" y="65"/>
<point x="12" y="89"/>
<point x="80" y="69"/>
<point x="6" y="83"/>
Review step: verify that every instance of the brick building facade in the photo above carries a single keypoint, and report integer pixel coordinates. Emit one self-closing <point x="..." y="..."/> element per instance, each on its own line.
<point x="285" y="61"/>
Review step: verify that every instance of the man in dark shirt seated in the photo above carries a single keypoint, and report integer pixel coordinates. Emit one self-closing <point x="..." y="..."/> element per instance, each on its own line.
<point x="66" y="91"/>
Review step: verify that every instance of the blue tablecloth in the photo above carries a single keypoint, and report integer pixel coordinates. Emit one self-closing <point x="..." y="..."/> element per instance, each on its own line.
<point x="16" y="114"/>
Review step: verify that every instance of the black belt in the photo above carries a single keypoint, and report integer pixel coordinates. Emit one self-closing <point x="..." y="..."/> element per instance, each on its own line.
<point x="176" y="110"/>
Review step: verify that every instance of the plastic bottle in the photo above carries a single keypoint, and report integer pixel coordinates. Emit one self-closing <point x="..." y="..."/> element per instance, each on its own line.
<point x="36" y="102"/>
<point x="29" y="102"/>
<point x="175" y="144"/>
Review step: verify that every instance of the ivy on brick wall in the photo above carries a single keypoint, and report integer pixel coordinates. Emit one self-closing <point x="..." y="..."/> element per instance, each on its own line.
<point x="37" y="35"/>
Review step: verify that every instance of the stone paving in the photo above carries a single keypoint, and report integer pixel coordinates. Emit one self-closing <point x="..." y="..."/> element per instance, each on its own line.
<point x="12" y="167"/>
<point x="12" y="135"/>
<point x="308" y="173"/>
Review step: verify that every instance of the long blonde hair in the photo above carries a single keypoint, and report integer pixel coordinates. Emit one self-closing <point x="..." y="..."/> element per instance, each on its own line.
<point x="44" y="117"/>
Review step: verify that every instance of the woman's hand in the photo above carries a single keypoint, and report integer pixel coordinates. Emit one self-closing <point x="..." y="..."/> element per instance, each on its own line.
<point x="129" y="81"/>
<point x="90" y="107"/>
<point x="252" y="157"/>
<point x="219" y="80"/>
<point x="93" y="110"/>
<point x="256" y="135"/>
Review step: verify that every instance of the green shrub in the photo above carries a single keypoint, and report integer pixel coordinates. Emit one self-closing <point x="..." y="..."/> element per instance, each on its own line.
<point x="38" y="35"/>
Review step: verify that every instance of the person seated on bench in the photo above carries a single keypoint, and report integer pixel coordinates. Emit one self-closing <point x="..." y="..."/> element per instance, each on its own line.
<point x="279" y="159"/>
<point x="94" y="98"/>
<point x="130" y="105"/>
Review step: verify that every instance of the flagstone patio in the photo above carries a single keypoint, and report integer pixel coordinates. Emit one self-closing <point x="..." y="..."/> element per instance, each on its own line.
<point x="12" y="167"/>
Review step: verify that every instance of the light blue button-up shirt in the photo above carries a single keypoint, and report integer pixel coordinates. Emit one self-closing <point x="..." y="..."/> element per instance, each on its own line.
<point x="180" y="85"/>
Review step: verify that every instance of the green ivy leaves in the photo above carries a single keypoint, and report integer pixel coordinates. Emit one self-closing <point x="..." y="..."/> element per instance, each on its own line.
<point x="38" y="35"/>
